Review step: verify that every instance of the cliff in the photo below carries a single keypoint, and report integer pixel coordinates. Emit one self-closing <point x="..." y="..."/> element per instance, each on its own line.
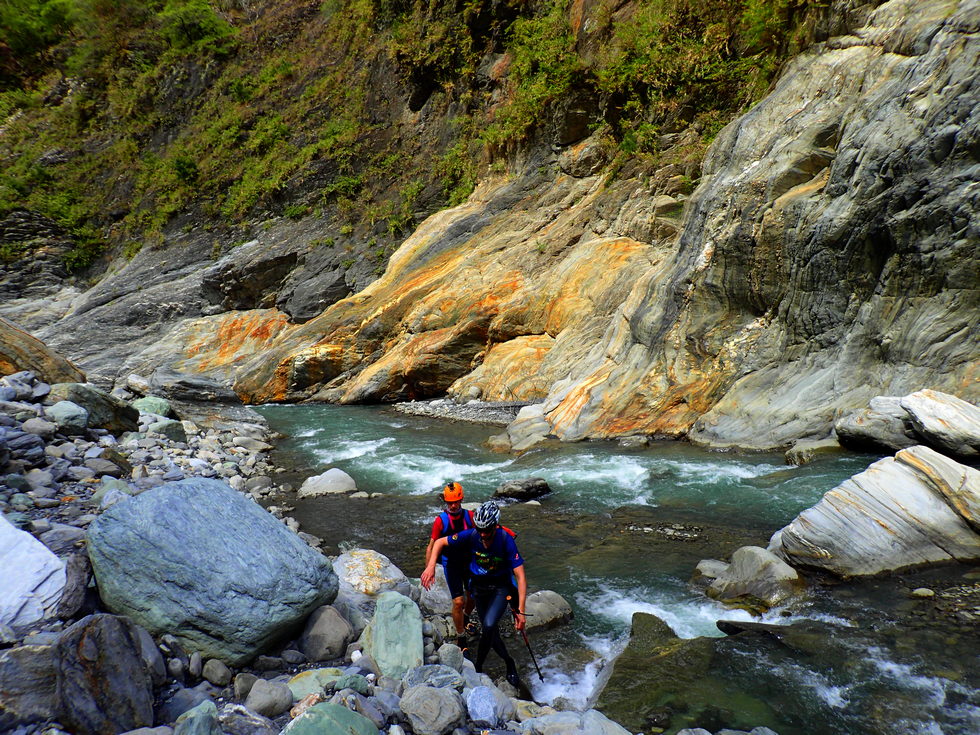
<point x="821" y="253"/>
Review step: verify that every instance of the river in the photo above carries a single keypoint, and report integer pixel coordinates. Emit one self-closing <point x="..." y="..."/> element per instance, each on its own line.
<point x="622" y="533"/>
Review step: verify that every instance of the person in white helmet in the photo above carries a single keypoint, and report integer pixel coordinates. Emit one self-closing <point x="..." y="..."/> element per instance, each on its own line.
<point x="496" y="568"/>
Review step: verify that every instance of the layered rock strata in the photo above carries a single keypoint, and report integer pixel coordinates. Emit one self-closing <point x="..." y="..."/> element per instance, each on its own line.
<point x="827" y="256"/>
<point x="918" y="507"/>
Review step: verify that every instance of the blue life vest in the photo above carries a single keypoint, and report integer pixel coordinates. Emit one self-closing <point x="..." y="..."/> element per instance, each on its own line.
<point x="447" y="529"/>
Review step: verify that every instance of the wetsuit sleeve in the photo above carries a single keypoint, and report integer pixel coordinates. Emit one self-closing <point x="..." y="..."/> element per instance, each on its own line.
<point x="458" y="540"/>
<point x="514" y="558"/>
<point x="436" y="528"/>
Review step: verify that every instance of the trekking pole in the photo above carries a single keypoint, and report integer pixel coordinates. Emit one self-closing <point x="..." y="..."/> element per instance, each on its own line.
<point x="528" y="644"/>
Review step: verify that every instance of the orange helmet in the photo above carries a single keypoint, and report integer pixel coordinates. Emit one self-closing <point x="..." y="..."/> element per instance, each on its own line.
<point x="452" y="492"/>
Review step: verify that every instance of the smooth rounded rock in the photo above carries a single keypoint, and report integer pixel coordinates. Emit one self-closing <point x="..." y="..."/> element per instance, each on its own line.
<point x="331" y="482"/>
<point x="269" y="698"/>
<point x="432" y="711"/>
<point x="171" y="558"/>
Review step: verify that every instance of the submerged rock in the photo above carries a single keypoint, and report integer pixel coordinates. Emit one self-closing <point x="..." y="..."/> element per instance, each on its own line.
<point x="919" y="507"/>
<point x="199" y="560"/>
<point x="756" y="573"/>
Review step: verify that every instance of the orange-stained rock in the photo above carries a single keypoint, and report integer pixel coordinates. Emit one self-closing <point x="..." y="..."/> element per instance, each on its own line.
<point x="511" y="371"/>
<point x="21" y="351"/>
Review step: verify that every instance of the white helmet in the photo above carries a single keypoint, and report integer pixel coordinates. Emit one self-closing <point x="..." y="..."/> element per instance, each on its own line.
<point x="487" y="515"/>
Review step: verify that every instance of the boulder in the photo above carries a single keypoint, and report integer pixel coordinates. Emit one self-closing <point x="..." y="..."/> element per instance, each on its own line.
<point x="105" y="411"/>
<point x="488" y="707"/>
<point x="759" y="574"/>
<point x="155" y="405"/>
<point x="946" y="423"/>
<point x="805" y="451"/>
<point x="573" y="723"/>
<point x="433" y="675"/>
<point x="522" y="490"/>
<point x="216" y="672"/>
<point x="269" y="698"/>
<point x="68" y="416"/>
<point x="22" y="351"/>
<point x="314" y="681"/>
<point x="393" y="638"/>
<point x="181" y="701"/>
<point x="437" y="600"/>
<point x="199" y="560"/>
<point x="546" y="609"/>
<point x="326" y="636"/>
<point x="327" y="717"/>
<point x="28" y="685"/>
<point x="236" y="719"/>
<point x="884" y="427"/>
<point x="915" y="508"/>
<point x="199" y="720"/>
<point x="432" y="711"/>
<point x="331" y="482"/>
<point x="102" y="681"/>
<point x="362" y="575"/>
<point x="173" y="430"/>
<point x="31" y="576"/>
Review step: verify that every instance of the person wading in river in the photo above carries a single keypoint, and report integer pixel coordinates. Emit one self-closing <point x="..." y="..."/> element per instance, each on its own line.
<point x="495" y="568"/>
<point x="453" y="520"/>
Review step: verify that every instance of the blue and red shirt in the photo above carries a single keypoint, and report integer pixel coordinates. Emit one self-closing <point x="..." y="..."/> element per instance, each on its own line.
<point x="493" y="565"/>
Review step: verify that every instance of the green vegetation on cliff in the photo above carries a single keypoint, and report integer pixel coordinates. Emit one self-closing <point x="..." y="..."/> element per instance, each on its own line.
<point x="123" y="118"/>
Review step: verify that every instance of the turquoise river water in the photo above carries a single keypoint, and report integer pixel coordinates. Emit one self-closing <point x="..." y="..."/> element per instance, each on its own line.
<point x="622" y="533"/>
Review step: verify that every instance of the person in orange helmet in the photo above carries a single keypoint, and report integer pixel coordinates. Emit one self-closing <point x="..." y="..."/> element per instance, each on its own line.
<point x="454" y="520"/>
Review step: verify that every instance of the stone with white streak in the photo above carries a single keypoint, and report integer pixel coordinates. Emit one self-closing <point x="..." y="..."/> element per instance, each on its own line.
<point x="918" y="507"/>
<point x="32" y="578"/>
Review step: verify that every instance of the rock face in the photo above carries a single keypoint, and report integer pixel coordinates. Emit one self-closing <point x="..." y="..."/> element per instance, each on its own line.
<point x="32" y="577"/>
<point x="825" y="258"/>
<point x="918" y="507"/>
<point x="20" y="351"/>
<point x="197" y="559"/>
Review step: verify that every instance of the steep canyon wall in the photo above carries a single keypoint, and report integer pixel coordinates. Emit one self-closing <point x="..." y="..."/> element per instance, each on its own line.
<point x="829" y="254"/>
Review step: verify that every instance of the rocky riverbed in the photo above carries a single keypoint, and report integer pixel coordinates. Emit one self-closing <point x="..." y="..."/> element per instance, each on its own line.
<point x="148" y="592"/>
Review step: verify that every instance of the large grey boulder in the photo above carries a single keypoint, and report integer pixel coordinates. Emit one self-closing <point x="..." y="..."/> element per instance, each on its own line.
<point x="362" y="575"/>
<point x="326" y="635"/>
<point x="432" y="711"/>
<point x="547" y="609"/>
<point x="103" y="684"/>
<point x="199" y="560"/>
<point x="31" y="576"/>
<point x="105" y="411"/>
<point x="756" y="573"/>
<point x="28" y="685"/>
<point x="331" y="482"/>
<point x="946" y="423"/>
<point x="393" y="638"/>
<point x="915" y="508"/>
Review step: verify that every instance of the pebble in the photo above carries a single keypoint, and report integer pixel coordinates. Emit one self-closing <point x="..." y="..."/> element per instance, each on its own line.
<point x="922" y="593"/>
